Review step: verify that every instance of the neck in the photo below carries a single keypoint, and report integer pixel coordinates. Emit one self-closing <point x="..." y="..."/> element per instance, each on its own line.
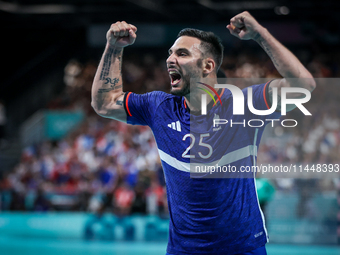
<point x="193" y="99"/>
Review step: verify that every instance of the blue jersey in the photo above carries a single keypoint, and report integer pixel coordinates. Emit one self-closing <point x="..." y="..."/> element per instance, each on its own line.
<point x="207" y="215"/>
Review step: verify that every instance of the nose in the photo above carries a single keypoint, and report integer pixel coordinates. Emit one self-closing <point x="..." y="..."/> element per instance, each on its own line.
<point x="171" y="59"/>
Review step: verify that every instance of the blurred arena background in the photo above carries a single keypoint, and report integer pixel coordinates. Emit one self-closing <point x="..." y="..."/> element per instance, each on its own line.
<point x="72" y="182"/>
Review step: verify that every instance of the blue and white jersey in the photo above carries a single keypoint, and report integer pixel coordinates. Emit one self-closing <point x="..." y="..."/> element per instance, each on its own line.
<point x="207" y="215"/>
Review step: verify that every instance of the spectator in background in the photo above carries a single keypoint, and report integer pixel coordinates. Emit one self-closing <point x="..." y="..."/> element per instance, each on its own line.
<point x="3" y="121"/>
<point x="139" y="203"/>
<point x="156" y="198"/>
<point x="41" y="204"/>
<point x="123" y="199"/>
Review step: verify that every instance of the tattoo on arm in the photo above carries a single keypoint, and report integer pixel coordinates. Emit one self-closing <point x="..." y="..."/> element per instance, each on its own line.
<point x="107" y="64"/>
<point x="113" y="86"/>
<point x="257" y="37"/>
<point x="120" y="102"/>
<point x="109" y="89"/>
<point x="108" y="61"/>
<point x="113" y="81"/>
<point x="120" y="63"/>
<point x="267" y="49"/>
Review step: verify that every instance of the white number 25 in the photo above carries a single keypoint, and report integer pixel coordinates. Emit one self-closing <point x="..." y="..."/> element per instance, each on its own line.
<point x="201" y="143"/>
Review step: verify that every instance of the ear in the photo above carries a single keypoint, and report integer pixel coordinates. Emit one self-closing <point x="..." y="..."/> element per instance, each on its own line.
<point x="208" y="65"/>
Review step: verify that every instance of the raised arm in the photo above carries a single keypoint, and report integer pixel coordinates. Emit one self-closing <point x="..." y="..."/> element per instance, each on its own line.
<point x="107" y="87"/>
<point x="245" y="27"/>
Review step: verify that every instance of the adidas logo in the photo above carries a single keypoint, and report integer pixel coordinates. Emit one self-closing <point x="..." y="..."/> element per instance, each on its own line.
<point x="175" y="126"/>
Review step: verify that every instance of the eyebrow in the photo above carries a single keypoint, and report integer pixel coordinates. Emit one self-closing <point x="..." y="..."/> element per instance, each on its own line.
<point x="179" y="49"/>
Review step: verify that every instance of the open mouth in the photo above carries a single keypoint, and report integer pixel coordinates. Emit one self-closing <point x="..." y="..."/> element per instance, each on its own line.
<point x="175" y="77"/>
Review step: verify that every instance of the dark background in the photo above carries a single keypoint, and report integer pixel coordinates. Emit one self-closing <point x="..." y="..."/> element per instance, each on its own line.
<point x="31" y="28"/>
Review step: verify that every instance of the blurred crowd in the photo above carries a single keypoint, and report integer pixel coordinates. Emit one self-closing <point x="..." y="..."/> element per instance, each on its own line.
<point x="103" y="164"/>
<point x="111" y="166"/>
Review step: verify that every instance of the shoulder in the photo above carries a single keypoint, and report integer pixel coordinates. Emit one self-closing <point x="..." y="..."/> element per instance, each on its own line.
<point x="160" y="97"/>
<point x="152" y="99"/>
<point x="152" y="94"/>
<point x="259" y="88"/>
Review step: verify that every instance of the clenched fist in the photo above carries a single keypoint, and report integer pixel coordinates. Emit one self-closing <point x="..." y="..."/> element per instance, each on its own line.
<point x="244" y="26"/>
<point x="121" y="34"/>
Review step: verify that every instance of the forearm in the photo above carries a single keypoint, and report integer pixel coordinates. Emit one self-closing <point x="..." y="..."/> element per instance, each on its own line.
<point x="284" y="60"/>
<point x="291" y="69"/>
<point x="245" y="27"/>
<point x="294" y="74"/>
<point x="107" y="84"/>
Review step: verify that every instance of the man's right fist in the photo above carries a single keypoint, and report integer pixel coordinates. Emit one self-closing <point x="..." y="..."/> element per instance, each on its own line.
<point x="121" y="34"/>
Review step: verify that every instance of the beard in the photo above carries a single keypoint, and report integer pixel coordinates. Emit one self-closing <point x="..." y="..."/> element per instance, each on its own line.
<point x="185" y="87"/>
<point x="192" y="73"/>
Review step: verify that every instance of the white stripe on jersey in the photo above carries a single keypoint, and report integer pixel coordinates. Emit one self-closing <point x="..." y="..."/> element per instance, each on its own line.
<point x="175" y="163"/>
<point x="225" y="160"/>
<point x="257" y="197"/>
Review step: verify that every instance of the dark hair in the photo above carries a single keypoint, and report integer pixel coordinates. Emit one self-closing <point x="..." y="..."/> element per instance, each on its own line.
<point x="210" y="43"/>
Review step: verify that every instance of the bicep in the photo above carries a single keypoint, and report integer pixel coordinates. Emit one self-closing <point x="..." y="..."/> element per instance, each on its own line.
<point x="131" y="108"/>
<point x="114" y="109"/>
<point x="284" y="83"/>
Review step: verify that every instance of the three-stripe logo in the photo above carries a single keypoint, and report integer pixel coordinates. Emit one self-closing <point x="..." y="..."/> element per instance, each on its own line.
<point x="175" y="126"/>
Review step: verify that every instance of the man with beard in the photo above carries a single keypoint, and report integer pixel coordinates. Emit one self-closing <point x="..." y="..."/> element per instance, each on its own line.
<point x="207" y="216"/>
